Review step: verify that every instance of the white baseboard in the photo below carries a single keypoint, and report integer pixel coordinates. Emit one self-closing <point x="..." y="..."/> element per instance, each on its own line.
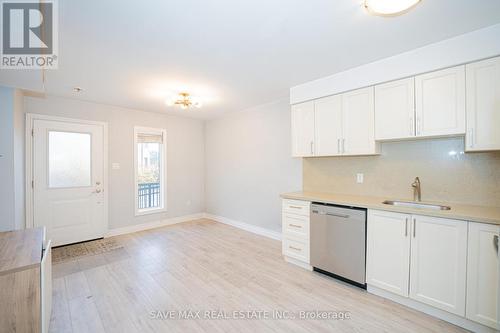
<point x="156" y="224"/>
<point x="298" y="263"/>
<point x="245" y="226"/>
<point x="153" y="224"/>
<point x="432" y="311"/>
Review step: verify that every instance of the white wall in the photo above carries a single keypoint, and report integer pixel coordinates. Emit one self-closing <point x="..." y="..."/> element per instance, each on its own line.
<point x="185" y="156"/>
<point x="248" y="165"/>
<point x="7" y="212"/>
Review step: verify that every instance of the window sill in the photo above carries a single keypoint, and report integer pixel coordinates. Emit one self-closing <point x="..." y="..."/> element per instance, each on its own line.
<point x="150" y="211"/>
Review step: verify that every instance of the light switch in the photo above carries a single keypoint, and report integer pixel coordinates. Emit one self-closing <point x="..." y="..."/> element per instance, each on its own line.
<point x="359" y="178"/>
<point x="115" y="166"/>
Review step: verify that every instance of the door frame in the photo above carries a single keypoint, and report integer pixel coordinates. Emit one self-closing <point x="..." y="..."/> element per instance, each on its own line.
<point x="30" y="119"/>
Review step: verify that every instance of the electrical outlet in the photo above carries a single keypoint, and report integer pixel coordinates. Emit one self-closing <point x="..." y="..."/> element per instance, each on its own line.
<point x="360" y="178"/>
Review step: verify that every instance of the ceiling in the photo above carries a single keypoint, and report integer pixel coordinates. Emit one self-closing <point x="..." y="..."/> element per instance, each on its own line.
<point x="232" y="54"/>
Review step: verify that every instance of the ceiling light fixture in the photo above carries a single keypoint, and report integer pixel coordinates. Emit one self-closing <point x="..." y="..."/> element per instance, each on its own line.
<point x="389" y="7"/>
<point x="184" y="100"/>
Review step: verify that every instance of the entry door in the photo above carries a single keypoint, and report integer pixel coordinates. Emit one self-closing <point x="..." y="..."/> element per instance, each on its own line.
<point x="68" y="170"/>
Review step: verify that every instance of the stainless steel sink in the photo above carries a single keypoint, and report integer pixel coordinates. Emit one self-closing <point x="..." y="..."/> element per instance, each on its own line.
<point x="414" y="204"/>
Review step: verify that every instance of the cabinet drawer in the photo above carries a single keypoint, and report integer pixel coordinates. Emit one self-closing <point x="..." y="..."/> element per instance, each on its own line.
<point x="296" y="207"/>
<point x="295" y="226"/>
<point x="296" y="249"/>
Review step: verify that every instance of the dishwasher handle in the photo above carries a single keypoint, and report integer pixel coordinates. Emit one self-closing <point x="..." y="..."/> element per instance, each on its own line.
<point x="331" y="214"/>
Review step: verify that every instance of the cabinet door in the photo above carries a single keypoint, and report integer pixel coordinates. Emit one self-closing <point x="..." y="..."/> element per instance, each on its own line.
<point x="440" y="102"/>
<point x="358" y="119"/>
<point x="482" y="274"/>
<point x="303" y="129"/>
<point x="438" y="263"/>
<point x="388" y="251"/>
<point x="483" y="105"/>
<point x="328" y="126"/>
<point x="395" y="110"/>
<point x="46" y="286"/>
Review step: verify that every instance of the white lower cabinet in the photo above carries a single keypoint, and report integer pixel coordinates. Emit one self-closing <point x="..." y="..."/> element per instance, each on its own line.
<point x="420" y="257"/>
<point x="46" y="286"/>
<point x="295" y="229"/>
<point x="483" y="275"/>
<point x="388" y="251"/>
<point x="438" y="263"/>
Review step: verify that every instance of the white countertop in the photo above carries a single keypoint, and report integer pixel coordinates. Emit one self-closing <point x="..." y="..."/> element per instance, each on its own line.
<point x="482" y="214"/>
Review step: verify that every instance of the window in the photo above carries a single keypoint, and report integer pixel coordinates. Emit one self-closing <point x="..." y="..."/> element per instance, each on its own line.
<point x="150" y="157"/>
<point x="69" y="159"/>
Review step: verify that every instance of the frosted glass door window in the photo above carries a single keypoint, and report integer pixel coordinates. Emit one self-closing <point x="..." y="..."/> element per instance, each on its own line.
<point x="69" y="159"/>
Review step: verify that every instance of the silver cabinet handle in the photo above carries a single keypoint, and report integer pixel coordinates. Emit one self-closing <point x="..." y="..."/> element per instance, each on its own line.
<point x="294" y="248"/>
<point x="295" y="207"/>
<point x="343" y="146"/>
<point x="312" y="148"/>
<point x="495" y="243"/>
<point x="296" y="226"/>
<point x="406" y="227"/>
<point x="338" y="146"/>
<point x="414" y="227"/>
<point x="411" y="126"/>
<point x="418" y="126"/>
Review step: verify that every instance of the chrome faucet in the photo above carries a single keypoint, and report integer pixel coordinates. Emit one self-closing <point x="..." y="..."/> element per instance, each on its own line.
<point x="417" y="192"/>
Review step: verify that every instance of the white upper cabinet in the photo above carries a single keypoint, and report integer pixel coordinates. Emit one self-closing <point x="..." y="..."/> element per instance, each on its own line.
<point x="440" y="102"/>
<point x="483" y="274"/>
<point x="358" y="120"/>
<point x="328" y="126"/>
<point x="336" y="125"/>
<point x="438" y="263"/>
<point x="483" y="105"/>
<point x="388" y="251"/>
<point x="395" y="110"/>
<point x="303" y="129"/>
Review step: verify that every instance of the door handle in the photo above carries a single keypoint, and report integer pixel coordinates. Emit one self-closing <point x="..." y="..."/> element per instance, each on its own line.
<point x="343" y="146"/>
<point x="338" y="146"/>
<point x="495" y="243"/>
<point x="338" y="215"/>
<point x="312" y="148"/>
<point x="331" y="214"/>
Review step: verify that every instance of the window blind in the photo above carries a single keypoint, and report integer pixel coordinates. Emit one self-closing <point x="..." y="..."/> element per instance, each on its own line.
<point x="149" y="138"/>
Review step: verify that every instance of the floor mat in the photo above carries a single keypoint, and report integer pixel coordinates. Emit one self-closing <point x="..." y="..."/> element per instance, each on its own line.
<point x="75" y="251"/>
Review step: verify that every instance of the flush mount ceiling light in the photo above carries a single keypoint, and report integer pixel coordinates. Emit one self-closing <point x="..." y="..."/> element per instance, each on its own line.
<point x="184" y="100"/>
<point x="389" y="7"/>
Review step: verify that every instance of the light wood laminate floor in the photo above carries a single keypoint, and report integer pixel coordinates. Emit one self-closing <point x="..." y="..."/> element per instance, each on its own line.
<point x="203" y="265"/>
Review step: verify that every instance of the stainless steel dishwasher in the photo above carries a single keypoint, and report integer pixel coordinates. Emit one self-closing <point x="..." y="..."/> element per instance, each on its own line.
<point x="338" y="242"/>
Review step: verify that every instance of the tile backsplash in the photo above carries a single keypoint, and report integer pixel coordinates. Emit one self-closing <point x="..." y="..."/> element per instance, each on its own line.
<point x="447" y="173"/>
